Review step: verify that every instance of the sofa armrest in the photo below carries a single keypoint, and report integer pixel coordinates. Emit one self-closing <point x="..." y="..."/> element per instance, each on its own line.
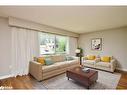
<point x="75" y="57"/>
<point x="113" y="64"/>
<point x="85" y="58"/>
<point x="35" y="69"/>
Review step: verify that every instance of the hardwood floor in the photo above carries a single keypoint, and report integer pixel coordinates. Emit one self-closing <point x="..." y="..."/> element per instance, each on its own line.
<point x="28" y="82"/>
<point x="17" y="83"/>
<point x="123" y="81"/>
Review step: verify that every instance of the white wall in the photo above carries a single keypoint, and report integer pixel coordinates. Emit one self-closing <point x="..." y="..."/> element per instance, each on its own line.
<point x="5" y="47"/>
<point x="114" y="43"/>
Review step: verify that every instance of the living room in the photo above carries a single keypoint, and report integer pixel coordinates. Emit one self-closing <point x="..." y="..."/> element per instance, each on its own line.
<point x="47" y="47"/>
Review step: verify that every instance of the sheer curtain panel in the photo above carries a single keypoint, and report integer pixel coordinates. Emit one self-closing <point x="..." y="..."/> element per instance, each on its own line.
<point x="25" y="46"/>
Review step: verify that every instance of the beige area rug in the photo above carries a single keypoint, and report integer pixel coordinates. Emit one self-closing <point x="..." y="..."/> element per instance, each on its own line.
<point x="105" y="80"/>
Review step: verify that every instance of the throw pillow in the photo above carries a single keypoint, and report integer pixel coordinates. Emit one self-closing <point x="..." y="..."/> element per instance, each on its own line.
<point x="105" y="59"/>
<point x="91" y="57"/>
<point x="48" y="61"/>
<point x="41" y="60"/>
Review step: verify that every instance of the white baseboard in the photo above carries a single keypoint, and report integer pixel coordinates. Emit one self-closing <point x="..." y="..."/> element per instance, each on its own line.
<point x="122" y="69"/>
<point x="6" y="76"/>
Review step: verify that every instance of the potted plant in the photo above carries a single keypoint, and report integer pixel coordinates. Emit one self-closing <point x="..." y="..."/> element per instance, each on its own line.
<point x="79" y="53"/>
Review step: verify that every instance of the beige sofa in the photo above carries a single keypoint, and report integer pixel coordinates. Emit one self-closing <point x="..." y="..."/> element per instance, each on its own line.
<point x="41" y="72"/>
<point x="98" y="64"/>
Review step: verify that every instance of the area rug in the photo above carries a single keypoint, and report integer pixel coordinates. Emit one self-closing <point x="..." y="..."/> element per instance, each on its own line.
<point x="106" y="80"/>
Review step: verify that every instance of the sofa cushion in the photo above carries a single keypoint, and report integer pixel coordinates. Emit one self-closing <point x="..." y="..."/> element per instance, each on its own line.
<point x="48" y="68"/>
<point x="62" y="64"/>
<point x="103" y="64"/>
<point x="58" y="58"/>
<point x="89" y="61"/>
<point x="57" y="65"/>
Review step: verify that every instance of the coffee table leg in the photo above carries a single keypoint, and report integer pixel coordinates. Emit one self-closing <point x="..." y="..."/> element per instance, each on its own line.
<point x="88" y="87"/>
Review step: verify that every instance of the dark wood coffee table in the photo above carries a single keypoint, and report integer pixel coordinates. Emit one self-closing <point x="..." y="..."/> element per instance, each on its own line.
<point x="87" y="79"/>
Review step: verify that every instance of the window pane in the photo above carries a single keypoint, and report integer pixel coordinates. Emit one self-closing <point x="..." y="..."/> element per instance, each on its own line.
<point x="61" y="44"/>
<point x="47" y="43"/>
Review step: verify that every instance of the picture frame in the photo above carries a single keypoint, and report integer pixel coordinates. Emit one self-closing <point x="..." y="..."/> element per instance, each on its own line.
<point x="96" y="44"/>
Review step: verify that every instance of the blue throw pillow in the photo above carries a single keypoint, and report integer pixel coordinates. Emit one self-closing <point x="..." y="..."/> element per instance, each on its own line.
<point x="48" y="61"/>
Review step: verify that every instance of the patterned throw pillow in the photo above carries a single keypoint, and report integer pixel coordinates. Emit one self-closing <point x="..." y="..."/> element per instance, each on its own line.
<point x="48" y="61"/>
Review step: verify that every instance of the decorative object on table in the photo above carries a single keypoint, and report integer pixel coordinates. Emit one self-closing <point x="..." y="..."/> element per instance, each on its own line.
<point x="96" y="44"/>
<point x="86" y="70"/>
<point x="79" y="53"/>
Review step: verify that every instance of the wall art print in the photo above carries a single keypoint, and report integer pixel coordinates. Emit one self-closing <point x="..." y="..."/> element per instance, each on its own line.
<point x="96" y="44"/>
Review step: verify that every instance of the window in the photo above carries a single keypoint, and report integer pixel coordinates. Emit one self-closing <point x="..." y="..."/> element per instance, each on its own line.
<point x="47" y="43"/>
<point x="61" y="44"/>
<point x="50" y="44"/>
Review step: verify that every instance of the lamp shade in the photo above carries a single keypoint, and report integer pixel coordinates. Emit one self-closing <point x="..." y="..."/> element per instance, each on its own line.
<point x="77" y="51"/>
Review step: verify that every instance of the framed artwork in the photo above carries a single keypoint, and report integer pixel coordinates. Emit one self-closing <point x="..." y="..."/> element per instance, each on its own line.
<point x="96" y="44"/>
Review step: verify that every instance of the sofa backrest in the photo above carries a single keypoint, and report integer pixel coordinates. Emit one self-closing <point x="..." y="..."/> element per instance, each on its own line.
<point x="58" y="58"/>
<point x="55" y="58"/>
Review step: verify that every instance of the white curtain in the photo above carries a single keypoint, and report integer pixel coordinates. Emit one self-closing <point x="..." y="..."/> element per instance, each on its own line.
<point x="73" y="44"/>
<point x="25" y="46"/>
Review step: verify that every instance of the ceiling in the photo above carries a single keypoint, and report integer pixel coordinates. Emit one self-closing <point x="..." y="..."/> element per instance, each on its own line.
<point x="78" y="19"/>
